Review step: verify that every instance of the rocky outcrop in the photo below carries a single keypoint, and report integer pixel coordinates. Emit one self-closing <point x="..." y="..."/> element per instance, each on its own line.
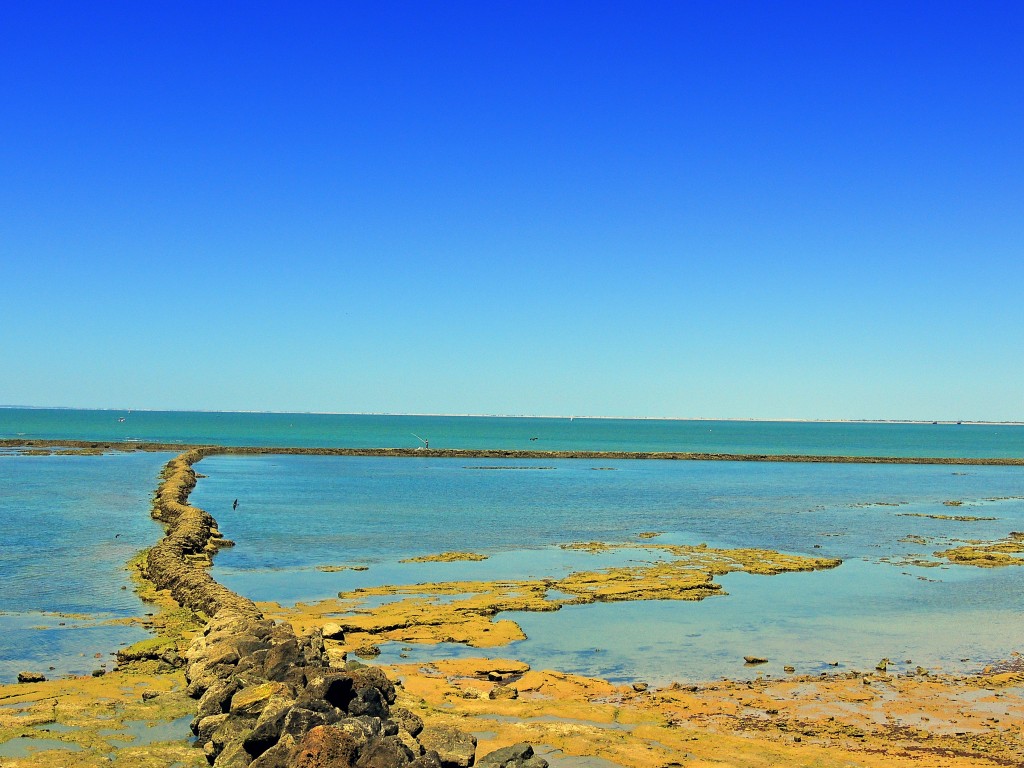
<point x="41" y="446"/>
<point x="175" y="563"/>
<point x="268" y="698"/>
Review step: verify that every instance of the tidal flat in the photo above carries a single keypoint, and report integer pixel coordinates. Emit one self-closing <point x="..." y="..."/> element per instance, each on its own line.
<point x="900" y="712"/>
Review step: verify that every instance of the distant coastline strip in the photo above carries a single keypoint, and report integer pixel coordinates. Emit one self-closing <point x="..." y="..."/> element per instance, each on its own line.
<point x="472" y="453"/>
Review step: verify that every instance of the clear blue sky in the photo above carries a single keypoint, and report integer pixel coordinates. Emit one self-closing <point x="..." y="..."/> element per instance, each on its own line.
<point x="694" y="209"/>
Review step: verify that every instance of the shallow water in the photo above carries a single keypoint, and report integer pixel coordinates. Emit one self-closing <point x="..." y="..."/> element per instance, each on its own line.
<point x="296" y="513"/>
<point x="68" y="524"/>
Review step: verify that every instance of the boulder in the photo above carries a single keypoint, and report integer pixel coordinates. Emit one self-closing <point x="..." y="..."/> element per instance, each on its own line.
<point x="249" y="702"/>
<point x="387" y="752"/>
<point x="204" y="727"/>
<point x="278" y="756"/>
<point x="362" y="729"/>
<point x="503" y="692"/>
<point x="269" y="725"/>
<point x="232" y="756"/>
<point x="31" y="677"/>
<point x="516" y="756"/>
<point x="455" y="749"/>
<point x="408" y="721"/>
<point x="325" y="747"/>
<point x="216" y="699"/>
<point x="281" y="659"/>
<point x="332" y="631"/>
<point x="427" y="760"/>
<point x="299" y="720"/>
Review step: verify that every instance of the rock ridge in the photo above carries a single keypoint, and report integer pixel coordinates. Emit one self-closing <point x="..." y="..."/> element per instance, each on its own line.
<point x="269" y="698"/>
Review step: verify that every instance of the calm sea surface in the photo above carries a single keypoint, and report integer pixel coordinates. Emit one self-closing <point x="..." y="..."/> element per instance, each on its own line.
<point x="300" y="429"/>
<point x="69" y="523"/>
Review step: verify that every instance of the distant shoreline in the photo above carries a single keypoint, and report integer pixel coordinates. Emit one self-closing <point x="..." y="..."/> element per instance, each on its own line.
<point x="102" y="446"/>
<point x="751" y="419"/>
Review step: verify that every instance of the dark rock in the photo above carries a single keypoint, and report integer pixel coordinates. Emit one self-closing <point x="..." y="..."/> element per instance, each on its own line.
<point x="299" y="720"/>
<point x="388" y="752"/>
<point x="429" y="759"/>
<point x="233" y="755"/>
<point x="515" y="756"/>
<point x="455" y="748"/>
<point x="332" y="686"/>
<point x="269" y="725"/>
<point x="374" y="677"/>
<point x="232" y="731"/>
<point x="368" y="651"/>
<point x="313" y="649"/>
<point x="216" y="699"/>
<point x="31" y="677"/>
<point x="363" y="730"/>
<point x="149" y="695"/>
<point x="407" y="720"/>
<point x="325" y="747"/>
<point x="282" y="661"/>
<point x="503" y="692"/>
<point x="204" y="727"/>
<point x="254" y="660"/>
<point x="368" y="701"/>
<point x="278" y="756"/>
<point x="99" y="672"/>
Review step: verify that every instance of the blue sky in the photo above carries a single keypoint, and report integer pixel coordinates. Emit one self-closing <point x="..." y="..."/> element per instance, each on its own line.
<point x="721" y="209"/>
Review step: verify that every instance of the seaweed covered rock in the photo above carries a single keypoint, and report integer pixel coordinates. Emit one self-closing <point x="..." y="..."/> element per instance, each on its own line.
<point x="268" y="698"/>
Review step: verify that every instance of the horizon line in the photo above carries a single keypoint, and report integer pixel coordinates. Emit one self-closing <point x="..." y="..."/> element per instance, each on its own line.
<point x="526" y="416"/>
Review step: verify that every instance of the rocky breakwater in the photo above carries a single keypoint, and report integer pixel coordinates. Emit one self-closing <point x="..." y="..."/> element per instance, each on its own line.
<point x="268" y="698"/>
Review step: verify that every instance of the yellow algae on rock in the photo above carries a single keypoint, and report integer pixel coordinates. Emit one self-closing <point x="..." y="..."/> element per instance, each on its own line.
<point x="587" y="546"/>
<point x="465" y="611"/>
<point x="340" y="568"/>
<point x="661" y="581"/>
<point x="988" y="555"/>
<point x="446" y="557"/>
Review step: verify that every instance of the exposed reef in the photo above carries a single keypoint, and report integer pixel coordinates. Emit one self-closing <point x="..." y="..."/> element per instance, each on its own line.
<point x="988" y="555"/>
<point x="466" y="611"/>
<point x="958" y="518"/>
<point x="268" y="697"/>
<point x="446" y="557"/>
<point x="28" y="445"/>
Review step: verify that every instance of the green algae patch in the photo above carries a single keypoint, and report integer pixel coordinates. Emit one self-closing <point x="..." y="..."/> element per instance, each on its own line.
<point x="991" y="555"/>
<point x="446" y="557"/>
<point x="150" y="648"/>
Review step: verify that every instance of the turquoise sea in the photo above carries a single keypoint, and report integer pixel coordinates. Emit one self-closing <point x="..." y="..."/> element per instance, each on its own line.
<point x="69" y="523"/>
<point x="372" y="431"/>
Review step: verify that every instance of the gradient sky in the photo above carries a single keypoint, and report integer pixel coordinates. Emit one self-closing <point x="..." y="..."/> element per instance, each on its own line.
<point x="691" y="209"/>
